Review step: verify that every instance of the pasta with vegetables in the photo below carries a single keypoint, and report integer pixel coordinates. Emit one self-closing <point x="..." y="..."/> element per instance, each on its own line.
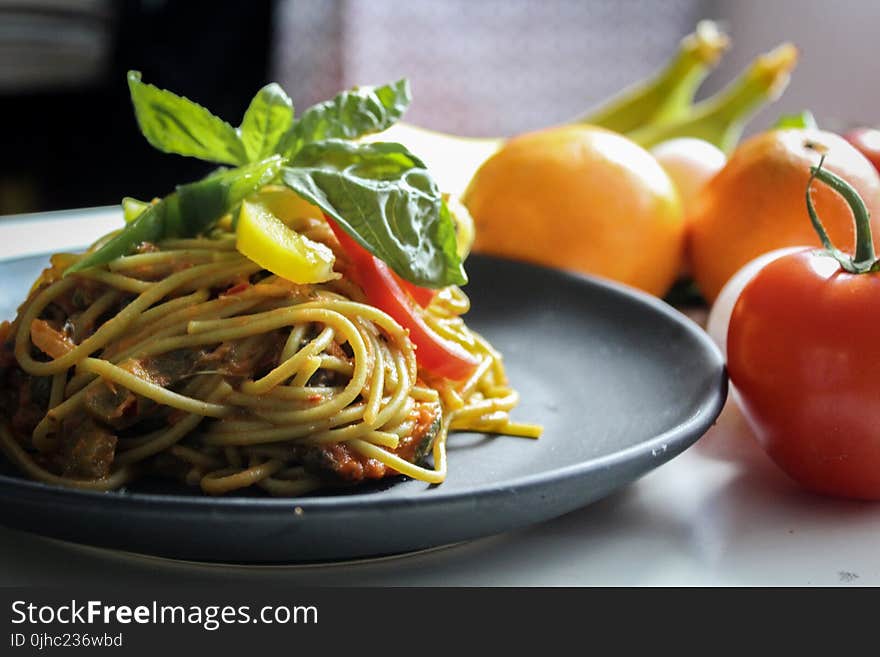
<point x="289" y="323"/>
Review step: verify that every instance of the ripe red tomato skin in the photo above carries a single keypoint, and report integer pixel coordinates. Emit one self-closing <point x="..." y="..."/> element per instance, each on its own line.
<point x="804" y="357"/>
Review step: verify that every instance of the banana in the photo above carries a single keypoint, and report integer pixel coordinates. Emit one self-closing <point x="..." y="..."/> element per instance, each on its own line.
<point x="452" y="160"/>
<point x="666" y="96"/>
<point x="720" y="119"/>
<point x="651" y="112"/>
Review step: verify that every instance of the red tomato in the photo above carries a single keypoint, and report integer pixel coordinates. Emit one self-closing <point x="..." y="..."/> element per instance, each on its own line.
<point x="803" y="354"/>
<point x="867" y="141"/>
<point x="434" y="353"/>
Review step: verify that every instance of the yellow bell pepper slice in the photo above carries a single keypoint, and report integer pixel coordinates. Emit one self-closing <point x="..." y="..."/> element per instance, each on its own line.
<point x="132" y="208"/>
<point x="266" y="240"/>
<point x="287" y="205"/>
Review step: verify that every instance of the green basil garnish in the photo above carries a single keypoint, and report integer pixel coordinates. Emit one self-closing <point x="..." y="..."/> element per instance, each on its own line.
<point x="266" y="121"/>
<point x="379" y="193"/>
<point x="349" y="115"/>
<point x="174" y="124"/>
<point x="384" y="197"/>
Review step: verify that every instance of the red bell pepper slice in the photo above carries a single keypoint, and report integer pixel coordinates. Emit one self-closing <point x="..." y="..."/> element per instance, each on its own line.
<point x="434" y="353"/>
<point x="421" y="295"/>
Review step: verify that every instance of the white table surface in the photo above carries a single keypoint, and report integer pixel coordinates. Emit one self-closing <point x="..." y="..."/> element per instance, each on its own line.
<point x="719" y="514"/>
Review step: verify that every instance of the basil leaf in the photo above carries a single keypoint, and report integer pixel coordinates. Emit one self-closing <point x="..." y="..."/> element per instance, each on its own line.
<point x="385" y="198"/>
<point x="349" y="115"/>
<point x="188" y="211"/>
<point x="266" y="120"/>
<point x="174" y="124"/>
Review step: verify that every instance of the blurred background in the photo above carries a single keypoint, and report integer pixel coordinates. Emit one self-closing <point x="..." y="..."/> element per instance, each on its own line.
<point x="493" y="67"/>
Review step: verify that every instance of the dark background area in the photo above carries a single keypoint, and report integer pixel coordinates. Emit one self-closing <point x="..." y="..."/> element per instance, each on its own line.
<point x="77" y="145"/>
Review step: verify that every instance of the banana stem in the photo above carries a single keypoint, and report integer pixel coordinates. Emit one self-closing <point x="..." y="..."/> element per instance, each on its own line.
<point x="721" y="119"/>
<point x="668" y="95"/>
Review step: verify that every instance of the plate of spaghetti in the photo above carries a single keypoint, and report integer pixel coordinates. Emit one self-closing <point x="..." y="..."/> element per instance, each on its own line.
<point x="278" y="363"/>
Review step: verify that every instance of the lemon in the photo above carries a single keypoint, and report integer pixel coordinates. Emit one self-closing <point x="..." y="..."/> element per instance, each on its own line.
<point x="266" y="240"/>
<point x="580" y="198"/>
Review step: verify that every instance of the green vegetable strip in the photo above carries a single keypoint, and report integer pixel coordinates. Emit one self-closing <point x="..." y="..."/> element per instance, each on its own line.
<point x="190" y="210"/>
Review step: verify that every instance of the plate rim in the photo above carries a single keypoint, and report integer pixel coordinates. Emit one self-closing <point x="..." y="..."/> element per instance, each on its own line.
<point x="676" y="439"/>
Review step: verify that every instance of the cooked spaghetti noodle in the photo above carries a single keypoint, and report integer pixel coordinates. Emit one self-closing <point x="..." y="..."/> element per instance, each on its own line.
<point x="187" y="359"/>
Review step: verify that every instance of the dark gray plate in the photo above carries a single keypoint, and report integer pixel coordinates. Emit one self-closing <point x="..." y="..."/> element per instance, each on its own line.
<point x="621" y="382"/>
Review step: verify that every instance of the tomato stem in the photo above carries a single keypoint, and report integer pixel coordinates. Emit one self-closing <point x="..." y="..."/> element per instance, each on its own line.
<point x="865" y="259"/>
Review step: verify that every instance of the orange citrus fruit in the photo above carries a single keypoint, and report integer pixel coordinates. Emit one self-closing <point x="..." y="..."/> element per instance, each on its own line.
<point x="581" y="198"/>
<point x="757" y="203"/>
